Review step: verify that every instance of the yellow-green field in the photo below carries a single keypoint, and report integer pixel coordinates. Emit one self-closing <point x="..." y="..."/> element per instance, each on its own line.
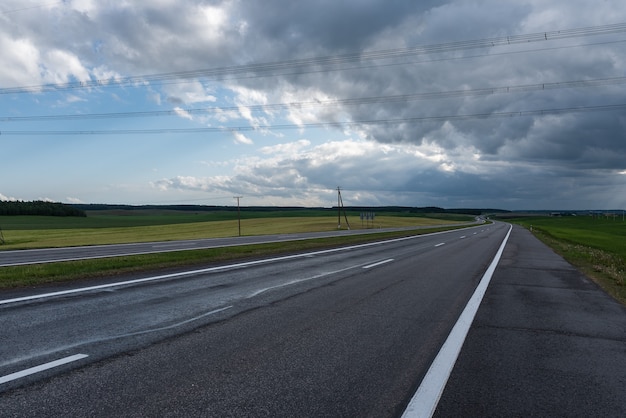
<point x="40" y="233"/>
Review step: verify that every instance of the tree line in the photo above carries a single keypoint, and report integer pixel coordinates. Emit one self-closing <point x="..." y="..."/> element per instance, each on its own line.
<point x="38" y="207"/>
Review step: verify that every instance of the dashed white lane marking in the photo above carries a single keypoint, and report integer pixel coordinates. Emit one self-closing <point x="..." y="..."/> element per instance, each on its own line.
<point x="440" y="244"/>
<point x="425" y="400"/>
<point x="378" y="264"/>
<point x="41" y="367"/>
<point x="70" y="359"/>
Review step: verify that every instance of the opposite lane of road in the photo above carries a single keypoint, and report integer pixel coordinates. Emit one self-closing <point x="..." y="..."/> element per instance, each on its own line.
<point x="53" y="255"/>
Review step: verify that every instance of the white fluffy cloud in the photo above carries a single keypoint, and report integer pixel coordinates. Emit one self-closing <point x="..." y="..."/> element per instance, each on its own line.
<point x="242" y="139"/>
<point x="24" y="56"/>
<point x="241" y="57"/>
<point x="6" y="198"/>
<point x="383" y="172"/>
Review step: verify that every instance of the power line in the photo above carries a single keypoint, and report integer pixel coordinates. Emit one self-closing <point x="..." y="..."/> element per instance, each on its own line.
<point x="512" y="114"/>
<point x="393" y="64"/>
<point x="6" y="12"/>
<point x="338" y="102"/>
<point x="328" y="60"/>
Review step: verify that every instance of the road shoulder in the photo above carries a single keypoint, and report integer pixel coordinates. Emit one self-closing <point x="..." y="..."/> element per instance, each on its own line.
<point x="546" y="341"/>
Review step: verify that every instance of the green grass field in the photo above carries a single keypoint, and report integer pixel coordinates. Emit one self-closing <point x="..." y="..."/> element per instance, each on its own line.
<point x="596" y="245"/>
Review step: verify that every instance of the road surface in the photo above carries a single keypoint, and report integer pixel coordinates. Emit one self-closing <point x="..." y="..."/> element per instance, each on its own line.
<point x="348" y="332"/>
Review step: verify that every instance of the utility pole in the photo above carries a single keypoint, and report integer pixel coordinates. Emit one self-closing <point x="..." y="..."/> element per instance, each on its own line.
<point x="238" y="213"/>
<point x="339" y="206"/>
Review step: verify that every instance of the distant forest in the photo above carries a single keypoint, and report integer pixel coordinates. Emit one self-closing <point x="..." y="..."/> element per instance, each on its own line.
<point x="204" y="208"/>
<point x="40" y="208"/>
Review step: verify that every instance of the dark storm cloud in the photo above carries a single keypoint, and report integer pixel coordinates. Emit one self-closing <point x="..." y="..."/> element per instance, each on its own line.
<point x="303" y="27"/>
<point x="556" y="158"/>
<point x="561" y="137"/>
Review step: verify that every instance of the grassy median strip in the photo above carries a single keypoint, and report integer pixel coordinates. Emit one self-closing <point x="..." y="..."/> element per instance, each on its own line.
<point x="596" y="245"/>
<point x="32" y="275"/>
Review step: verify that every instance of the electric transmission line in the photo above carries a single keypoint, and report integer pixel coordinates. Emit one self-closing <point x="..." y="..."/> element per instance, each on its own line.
<point x="337" y="103"/>
<point x="353" y="57"/>
<point x="540" y="112"/>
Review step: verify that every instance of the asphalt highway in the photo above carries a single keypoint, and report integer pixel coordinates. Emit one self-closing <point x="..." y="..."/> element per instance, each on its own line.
<point x="345" y="332"/>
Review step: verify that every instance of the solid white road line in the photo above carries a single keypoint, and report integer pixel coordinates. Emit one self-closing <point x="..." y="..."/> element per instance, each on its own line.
<point x="210" y="269"/>
<point x="41" y="367"/>
<point x="378" y="264"/>
<point x="425" y="400"/>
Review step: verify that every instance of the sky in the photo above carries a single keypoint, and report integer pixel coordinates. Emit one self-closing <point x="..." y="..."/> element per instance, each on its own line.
<point x="517" y="105"/>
